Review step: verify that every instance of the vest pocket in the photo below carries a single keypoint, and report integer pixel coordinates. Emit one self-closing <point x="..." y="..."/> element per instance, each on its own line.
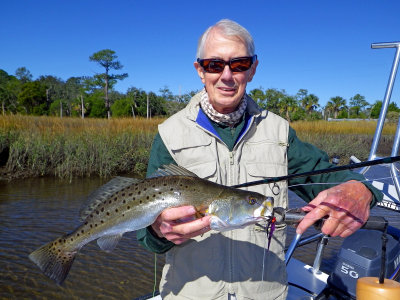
<point x="267" y="151"/>
<point x="205" y="170"/>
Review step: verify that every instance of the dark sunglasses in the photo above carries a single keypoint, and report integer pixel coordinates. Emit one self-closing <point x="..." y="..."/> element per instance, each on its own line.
<point x="238" y="64"/>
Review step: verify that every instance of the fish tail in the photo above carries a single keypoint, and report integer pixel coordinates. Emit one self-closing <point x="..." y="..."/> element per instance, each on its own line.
<point x="54" y="259"/>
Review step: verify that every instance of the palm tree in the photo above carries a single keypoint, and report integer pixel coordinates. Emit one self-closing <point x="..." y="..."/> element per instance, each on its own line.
<point x="287" y="105"/>
<point x="310" y="103"/>
<point x="336" y="104"/>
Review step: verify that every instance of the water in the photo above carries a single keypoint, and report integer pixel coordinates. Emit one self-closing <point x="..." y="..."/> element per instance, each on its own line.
<point x="35" y="211"/>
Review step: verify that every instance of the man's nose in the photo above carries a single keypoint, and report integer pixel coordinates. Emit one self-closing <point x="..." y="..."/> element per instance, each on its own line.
<point x="227" y="73"/>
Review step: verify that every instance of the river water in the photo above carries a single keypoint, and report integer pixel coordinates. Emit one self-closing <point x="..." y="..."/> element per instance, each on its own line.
<point x="36" y="211"/>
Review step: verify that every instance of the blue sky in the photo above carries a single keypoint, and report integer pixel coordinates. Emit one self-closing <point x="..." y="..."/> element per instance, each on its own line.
<point x="319" y="45"/>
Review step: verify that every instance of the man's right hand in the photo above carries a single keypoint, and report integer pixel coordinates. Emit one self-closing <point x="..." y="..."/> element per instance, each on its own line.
<point x="179" y="224"/>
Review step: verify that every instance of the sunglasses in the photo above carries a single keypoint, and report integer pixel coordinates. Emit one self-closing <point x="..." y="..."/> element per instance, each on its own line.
<point x="238" y="64"/>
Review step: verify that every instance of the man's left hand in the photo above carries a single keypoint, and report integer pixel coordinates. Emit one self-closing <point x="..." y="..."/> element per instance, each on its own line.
<point x="345" y="206"/>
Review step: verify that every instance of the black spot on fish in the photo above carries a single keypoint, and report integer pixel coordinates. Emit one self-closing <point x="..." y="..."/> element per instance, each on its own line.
<point x="108" y="213"/>
<point x="154" y="196"/>
<point x="102" y="209"/>
<point x="139" y="193"/>
<point x="124" y="201"/>
<point x="133" y="198"/>
<point x="147" y="197"/>
<point x="95" y="225"/>
<point x="130" y="194"/>
<point x="77" y="234"/>
<point x="97" y="212"/>
<point x="82" y="231"/>
<point x="101" y="221"/>
<point x="140" y="201"/>
<point x="116" y="210"/>
<point x="115" y="199"/>
<point x="123" y="195"/>
<point x="128" y="207"/>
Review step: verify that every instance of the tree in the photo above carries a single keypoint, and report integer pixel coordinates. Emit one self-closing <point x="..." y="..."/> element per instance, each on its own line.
<point x="310" y="103"/>
<point x="357" y="103"/>
<point x="287" y="105"/>
<point x="108" y="60"/>
<point x="33" y="98"/>
<point x="258" y="95"/>
<point x="23" y="75"/>
<point x="336" y="104"/>
<point x="377" y="106"/>
<point x="10" y="87"/>
<point x="272" y="98"/>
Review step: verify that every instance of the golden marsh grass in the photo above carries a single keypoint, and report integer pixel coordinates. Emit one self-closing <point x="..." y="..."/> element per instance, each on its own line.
<point x="67" y="147"/>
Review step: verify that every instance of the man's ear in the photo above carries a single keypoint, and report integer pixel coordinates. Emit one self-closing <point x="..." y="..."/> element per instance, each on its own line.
<point x="200" y="71"/>
<point x="253" y="71"/>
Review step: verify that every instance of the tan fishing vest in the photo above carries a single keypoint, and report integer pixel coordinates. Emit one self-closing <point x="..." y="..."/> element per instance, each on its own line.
<point x="216" y="264"/>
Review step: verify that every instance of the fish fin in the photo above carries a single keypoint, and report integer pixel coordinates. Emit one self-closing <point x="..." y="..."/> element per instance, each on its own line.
<point x="171" y="169"/>
<point x="54" y="261"/>
<point x="104" y="192"/>
<point x="108" y="242"/>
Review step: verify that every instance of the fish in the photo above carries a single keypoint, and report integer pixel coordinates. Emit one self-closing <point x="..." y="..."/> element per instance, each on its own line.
<point x="127" y="204"/>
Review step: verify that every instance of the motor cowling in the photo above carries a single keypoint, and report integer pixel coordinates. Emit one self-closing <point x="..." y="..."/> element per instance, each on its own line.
<point x="360" y="256"/>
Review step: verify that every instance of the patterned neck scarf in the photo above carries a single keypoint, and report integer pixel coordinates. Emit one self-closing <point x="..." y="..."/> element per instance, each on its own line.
<point x="230" y="119"/>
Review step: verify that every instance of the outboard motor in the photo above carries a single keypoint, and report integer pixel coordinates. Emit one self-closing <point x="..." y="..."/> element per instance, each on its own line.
<point x="360" y="256"/>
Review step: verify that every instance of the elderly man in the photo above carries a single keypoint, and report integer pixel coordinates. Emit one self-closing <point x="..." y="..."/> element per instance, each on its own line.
<point x="223" y="136"/>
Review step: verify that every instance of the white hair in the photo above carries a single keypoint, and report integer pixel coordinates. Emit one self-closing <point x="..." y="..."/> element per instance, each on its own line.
<point x="228" y="28"/>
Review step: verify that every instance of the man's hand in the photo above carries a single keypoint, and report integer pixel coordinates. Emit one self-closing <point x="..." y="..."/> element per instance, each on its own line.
<point x="346" y="207"/>
<point x="179" y="224"/>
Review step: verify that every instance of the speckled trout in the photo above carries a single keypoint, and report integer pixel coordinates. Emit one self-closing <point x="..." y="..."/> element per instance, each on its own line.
<point x="127" y="204"/>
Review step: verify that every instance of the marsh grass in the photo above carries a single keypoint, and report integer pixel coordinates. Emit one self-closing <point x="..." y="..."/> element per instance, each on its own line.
<point x="68" y="147"/>
<point x="346" y="138"/>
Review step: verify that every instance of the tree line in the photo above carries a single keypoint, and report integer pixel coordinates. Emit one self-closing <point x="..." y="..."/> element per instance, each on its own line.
<point x="94" y="96"/>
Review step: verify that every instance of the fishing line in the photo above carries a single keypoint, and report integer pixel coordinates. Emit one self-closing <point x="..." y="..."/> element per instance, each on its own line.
<point x="265" y="251"/>
<point x="155" y="275"/>
<point x="336" y="183"/>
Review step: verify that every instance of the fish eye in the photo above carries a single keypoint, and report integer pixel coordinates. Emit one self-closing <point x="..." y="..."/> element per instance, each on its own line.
<point x="252" y="200"/>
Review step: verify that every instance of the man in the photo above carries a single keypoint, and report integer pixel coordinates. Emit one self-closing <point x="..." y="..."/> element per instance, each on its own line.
<point x="223" y="136"/>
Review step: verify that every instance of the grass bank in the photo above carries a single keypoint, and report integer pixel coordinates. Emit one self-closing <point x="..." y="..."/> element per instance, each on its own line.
<point x="344" y="139"/>
<point x="68" y="147"/>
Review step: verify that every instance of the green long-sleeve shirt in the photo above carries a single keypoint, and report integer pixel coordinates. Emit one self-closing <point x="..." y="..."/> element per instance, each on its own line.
<point x="302" y="157"/>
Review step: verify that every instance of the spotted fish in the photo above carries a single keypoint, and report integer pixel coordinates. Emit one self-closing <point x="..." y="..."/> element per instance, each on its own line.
<point x="127" y="204"/>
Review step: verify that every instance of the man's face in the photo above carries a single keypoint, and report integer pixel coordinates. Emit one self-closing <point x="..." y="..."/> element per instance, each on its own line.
<point x="226" y="89"/>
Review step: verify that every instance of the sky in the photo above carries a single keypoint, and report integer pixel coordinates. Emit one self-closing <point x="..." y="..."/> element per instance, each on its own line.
<point x="323" y="46"/>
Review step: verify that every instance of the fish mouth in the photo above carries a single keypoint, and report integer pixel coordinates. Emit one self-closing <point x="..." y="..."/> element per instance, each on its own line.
<point x="264" y="211"/>
<point x="221" y="225"/>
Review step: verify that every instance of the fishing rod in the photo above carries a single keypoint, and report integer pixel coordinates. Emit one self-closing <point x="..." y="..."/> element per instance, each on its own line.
<point x="385" y="160"/>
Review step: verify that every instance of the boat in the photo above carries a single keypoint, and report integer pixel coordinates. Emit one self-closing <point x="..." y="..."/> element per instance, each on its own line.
<point x="361" y="255"/>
